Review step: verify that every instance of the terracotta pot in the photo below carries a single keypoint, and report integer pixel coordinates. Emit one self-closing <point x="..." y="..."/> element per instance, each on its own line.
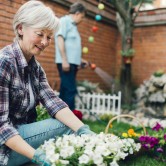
<point x="127" y="60"/>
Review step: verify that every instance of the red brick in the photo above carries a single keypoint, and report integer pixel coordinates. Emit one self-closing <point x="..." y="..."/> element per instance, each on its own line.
<point x="149" y="43"/>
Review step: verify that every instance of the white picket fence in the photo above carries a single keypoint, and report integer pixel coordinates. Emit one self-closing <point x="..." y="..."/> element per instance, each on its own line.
<point x="99" y="103"/>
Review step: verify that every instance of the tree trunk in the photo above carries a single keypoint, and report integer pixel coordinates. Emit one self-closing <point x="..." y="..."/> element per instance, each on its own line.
<point x="125" y="79"/>
<point x="125" y="20"/>
<point x="125" y="84"/>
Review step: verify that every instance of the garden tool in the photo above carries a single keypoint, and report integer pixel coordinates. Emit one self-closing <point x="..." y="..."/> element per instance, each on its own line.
<point x="91" y="65"/>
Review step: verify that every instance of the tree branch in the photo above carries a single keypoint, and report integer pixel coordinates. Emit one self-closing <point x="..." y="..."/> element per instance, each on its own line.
<point x="136" y="14"/>
<point x="120" y="8"/>
<point x="120" y="23"/>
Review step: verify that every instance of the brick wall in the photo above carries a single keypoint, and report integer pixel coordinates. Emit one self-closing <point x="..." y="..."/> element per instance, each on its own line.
<point x="150" y="56"/>
<point x="101" y="52"/>
<point x="149" y="38"/>
<point x="104" y="52"/>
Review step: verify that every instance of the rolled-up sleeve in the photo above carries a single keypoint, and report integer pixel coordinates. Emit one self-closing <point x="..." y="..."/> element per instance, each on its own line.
<point x="47" y="96"/>
<point x="63" y="29"/>
<point x="6" y="129"/>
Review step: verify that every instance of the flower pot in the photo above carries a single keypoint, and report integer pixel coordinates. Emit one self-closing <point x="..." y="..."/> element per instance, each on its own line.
<point x="127" y="60"/>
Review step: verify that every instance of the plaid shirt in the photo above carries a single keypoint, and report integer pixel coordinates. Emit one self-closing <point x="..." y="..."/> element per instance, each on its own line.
<point x="15" y="97"/>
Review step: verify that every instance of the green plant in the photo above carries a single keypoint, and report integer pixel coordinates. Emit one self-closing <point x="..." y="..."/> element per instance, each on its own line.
<point x="140" y="159"/>
<point x="106" y="117"/>
<point x="158" y="73"/>
<point x="41" y="113"/>
<point x="128" y="53"/>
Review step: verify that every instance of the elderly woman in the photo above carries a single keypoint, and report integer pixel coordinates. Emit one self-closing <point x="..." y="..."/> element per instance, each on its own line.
<point x="23" y="84"/>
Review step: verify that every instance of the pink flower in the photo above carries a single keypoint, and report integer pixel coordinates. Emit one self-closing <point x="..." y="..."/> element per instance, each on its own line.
<point x="160" y="150"/>
<point x="148" y="142"/>
<point x="155" y="141"/>
<point x="165" y="137"/>
<point x="157" y="127"/>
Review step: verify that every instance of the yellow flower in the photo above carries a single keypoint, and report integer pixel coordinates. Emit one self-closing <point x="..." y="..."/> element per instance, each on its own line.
<point x="137" y="135"/>
<point x="125" y="135"/>
<point x="131" y="131"/>
<point x="110" y="126"/>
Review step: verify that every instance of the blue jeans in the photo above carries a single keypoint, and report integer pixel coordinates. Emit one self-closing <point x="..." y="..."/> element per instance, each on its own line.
<point x="35" y="134"/>
<point x="68" y="87"/>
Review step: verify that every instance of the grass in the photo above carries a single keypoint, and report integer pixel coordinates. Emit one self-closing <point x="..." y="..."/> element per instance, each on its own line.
<point x="141" y="159"/>
<point x="117" y="128"/>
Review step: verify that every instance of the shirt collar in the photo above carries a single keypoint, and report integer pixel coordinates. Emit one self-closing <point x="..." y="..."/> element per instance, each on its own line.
<point x="71" y="20"/>
<point x="22" y="63"/>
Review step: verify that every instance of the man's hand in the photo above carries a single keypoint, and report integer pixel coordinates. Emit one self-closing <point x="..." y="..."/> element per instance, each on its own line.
<point x="84" y="64"/>
<point x="65" y="66"/>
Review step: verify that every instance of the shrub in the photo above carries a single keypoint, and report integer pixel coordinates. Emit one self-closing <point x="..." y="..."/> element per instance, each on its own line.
<point x="41" y="113"/>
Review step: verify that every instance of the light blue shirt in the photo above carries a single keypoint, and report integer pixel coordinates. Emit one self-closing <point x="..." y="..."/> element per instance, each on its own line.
<point x="68" y="30"/>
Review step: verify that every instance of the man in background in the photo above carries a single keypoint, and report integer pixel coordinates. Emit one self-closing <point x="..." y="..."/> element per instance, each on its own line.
<point x="69" y="52"/>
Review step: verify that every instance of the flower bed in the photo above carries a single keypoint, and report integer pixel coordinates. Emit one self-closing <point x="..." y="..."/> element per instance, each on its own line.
<point x="89" y="150"/>
<point x="154" y="141"/>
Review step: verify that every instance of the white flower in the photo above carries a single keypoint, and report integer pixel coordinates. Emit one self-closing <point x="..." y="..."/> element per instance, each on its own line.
<point x="84" y="159"/>
<point x="53" y="158"/>
<point x="67" y="151"/>
<point x="114" y="163"/>
<point x="103" y="164"/>
<point x="50" y="150"/>
<point x="89" y="152"/>
<point x="64" y="162"/>
<point x="130" y="140"/>
<point x="58" y="143"/>
<point x="120" y="155"/>
<point x="97" y="159"/>
<point x="89" y="149"/>
<point x="131" y="150"/>
<point x="137" y="147"/>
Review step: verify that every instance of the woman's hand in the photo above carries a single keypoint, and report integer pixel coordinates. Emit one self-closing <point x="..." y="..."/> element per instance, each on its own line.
<point x="40" y="158"/>
<point x="84" y="130"/>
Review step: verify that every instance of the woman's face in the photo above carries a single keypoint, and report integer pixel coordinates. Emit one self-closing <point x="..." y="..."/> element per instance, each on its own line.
<point x="34" y="41"/>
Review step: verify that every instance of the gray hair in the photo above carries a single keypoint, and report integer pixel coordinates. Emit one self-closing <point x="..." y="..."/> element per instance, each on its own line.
<point x="77" y="7"/>
<point x="35" y="15"/>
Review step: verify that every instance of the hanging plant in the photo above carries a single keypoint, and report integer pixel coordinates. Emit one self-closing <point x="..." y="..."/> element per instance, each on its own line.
<point x="128" y="53"/>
